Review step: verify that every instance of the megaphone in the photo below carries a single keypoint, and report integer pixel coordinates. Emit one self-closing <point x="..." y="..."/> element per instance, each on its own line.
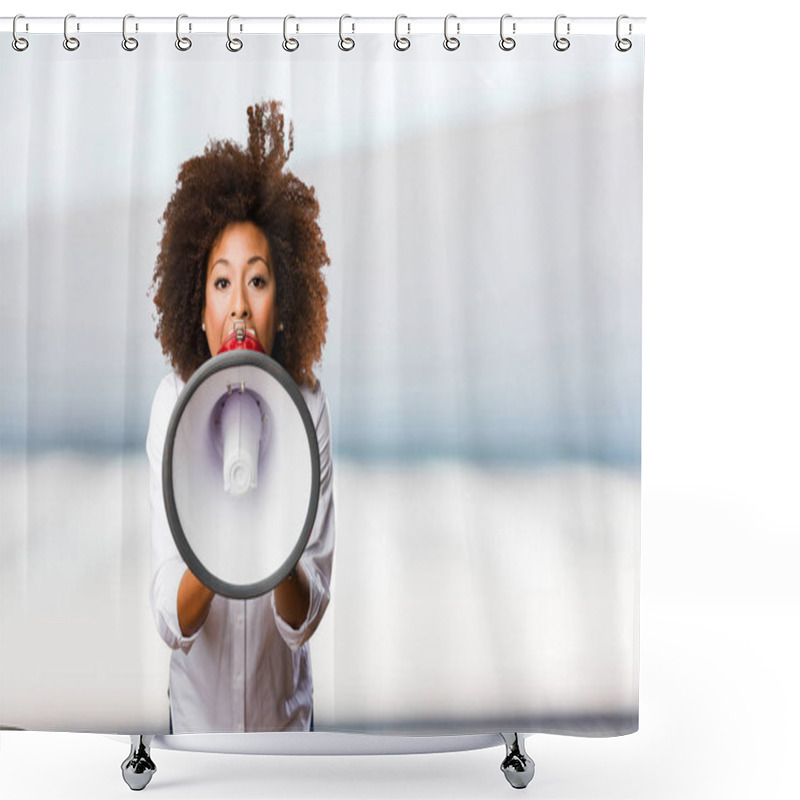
<point x="241" y="470"/>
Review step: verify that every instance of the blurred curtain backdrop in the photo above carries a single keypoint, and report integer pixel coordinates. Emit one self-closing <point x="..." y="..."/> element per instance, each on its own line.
<point x="482" y="211"/>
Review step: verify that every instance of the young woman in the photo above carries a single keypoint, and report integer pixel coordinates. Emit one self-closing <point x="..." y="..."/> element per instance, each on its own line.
<point x="241" y="242"/>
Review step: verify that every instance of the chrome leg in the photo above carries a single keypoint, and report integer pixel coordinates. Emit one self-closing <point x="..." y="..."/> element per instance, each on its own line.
<point x="138" y="768"/>
<point x="517" y="766"/>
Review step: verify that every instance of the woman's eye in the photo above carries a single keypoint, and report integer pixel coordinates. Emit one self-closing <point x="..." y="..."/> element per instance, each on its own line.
<point x="221" y="283"/>
<point x="259" y="282"/>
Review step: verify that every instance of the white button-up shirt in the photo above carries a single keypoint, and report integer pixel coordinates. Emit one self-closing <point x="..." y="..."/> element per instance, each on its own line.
<point x="245" y="669"/>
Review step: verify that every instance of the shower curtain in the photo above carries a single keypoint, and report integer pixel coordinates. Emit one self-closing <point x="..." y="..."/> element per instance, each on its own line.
<point x="481" y="210"/>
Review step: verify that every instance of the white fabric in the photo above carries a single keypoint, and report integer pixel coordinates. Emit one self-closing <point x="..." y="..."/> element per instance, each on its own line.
<point x="482" y="363"/>
<point x="245" y="669"/>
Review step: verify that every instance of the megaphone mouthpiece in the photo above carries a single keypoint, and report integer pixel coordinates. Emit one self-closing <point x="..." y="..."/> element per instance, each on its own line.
<point x="241" y="338"/>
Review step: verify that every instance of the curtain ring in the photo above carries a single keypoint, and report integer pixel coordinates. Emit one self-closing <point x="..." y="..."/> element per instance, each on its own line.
<point x="128" y="42"/>
<point x="70" y="42"/>
<point x="18" y="43"/>
<point x="290" y="45"/>
<point x="506" y="42"/>
<point x="451" y="42"/>
<point x="346" y="43"/>
<point x="401" y="43"/>
<point x="234" y="45"/>
<point x="181" y="42"/>
<point x="623" y="45"/>
<point x="561" y="43"/>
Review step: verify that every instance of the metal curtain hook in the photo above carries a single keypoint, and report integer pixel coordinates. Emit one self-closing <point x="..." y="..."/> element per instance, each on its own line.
<point x="128" y="42"/>
<point x="623" y="45"/>
<point x="451" y="42"/>
<point x="507" y="42"/>
<point x="18" y="43"/>
<point x="290" y="45"/>
<point x="70" y="42"/>
<point x="401" y="43"/>
<point x="234" y="45"/>
<point x="346" y="43"/>
<point x="182" y="42"/>
<point x="561" y="43"/>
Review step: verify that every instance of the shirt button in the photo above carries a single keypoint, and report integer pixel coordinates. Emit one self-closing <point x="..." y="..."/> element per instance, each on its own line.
<point x="240" y="620"/>
<point x="239" y="679"/>
<point x="239" y="727"/>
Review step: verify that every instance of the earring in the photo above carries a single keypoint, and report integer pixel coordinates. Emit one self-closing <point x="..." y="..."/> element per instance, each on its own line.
<point x="203" y="326"/>
<point x="280" y="326"/>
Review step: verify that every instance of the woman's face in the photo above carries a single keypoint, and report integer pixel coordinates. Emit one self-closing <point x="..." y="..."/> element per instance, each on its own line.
<point x="240" y="284"/>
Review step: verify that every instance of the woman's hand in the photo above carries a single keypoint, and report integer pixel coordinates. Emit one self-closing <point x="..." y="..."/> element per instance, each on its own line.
<point x="292" y="598"/>
<point x="194" y="601"/>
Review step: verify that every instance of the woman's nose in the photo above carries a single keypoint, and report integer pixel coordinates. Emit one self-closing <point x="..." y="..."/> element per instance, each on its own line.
<point x="240" y="308"/>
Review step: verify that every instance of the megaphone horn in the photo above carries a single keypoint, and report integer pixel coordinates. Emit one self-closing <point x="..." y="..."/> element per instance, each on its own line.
<point x="241" y="470"/>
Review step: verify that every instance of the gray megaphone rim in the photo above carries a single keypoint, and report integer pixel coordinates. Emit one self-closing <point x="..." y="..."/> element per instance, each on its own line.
<point x="239" y="358"/>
